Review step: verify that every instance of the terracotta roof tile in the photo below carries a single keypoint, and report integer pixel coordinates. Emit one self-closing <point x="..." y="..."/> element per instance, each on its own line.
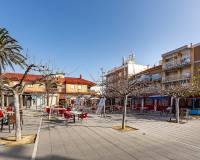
<point x="33" y="77"/>
<point x="71" y="80"/>
<point x="18" y="76"/>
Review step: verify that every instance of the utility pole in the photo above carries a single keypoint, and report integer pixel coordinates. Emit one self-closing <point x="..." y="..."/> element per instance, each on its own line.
<point x="102" y="85"/>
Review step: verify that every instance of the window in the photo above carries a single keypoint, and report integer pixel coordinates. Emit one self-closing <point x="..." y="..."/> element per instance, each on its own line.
<point x="79" y="87"/>
<point x="72" y="86"/>
<point x="29" y="85"/>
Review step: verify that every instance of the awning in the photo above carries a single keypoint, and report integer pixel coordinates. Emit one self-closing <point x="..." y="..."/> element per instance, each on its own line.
<point x="194" y="99"/>
<point x="158" y="97"/>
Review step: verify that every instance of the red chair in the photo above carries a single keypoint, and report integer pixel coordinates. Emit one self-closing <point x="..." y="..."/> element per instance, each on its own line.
<point x="9" y="109"/>
<point x="1" y="114"/>
<point x="47" y="110"/>
<point x="61" y="111"/>
<point x="68" y="109"/>
<point x="83" y="116"/>
<point x="68" y="115"/>
<point x="137" y="107"/>
<point x="1" y="117"/>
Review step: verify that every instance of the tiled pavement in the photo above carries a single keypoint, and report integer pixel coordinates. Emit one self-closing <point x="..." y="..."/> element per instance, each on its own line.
<point x="95" y="139"/>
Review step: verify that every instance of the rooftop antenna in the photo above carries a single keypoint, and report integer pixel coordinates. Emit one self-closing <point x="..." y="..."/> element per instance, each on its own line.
<point x="123" y="60"/>
<point x="133" y="56"/>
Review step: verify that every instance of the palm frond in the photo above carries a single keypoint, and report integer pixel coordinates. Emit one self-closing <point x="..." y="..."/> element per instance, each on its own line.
<point x="10" y="51"/>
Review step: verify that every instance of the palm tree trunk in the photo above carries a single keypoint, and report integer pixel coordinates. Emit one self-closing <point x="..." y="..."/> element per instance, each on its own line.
<point x="124" y="113"/>
<point x="17" y="113"/>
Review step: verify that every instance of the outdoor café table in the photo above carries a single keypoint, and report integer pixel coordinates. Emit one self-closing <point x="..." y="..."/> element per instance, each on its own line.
<point x="74" y="113"/>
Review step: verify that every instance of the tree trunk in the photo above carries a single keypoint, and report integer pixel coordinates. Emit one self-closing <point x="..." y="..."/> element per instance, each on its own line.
<point x="124" y="113"/>
<point x="104" y="110"/>
<point x="177" y="110"/>
<point x="111" y="108"/>
<point x="18" y="121"/>
<point x="171" y="104"/>
<point x="142" y="105"/>
<point x="2" y="100"/>
<point x="20" y="101"/>
<point x="47" y="99"/>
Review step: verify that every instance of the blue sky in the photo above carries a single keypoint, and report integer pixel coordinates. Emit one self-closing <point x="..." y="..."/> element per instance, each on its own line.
<point x="81" y="36"/>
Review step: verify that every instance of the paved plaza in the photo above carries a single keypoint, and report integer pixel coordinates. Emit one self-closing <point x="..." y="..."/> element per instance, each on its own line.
<point x="155" y="139"/>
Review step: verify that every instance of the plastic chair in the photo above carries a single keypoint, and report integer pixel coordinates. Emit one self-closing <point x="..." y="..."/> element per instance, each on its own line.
<point x="83" y="116"/>
<point x="1" y="114"/>
<point x="68" y="109"/>
<point x="47" y="110"/>
<point x="61" y="111"/>
<point x="9" y="109"/>
<point x="11" y="120"/>
<point x="68" y="116"/>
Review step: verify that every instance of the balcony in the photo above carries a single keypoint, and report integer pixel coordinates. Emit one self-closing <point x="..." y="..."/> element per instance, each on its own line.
<point x="177" y="63"/>
<point x="150" y="77"/>
<point x="185" y="76"/>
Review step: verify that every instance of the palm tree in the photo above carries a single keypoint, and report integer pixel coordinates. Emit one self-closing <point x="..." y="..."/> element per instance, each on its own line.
<point x="10" y="51"/>
<point x="10" y="55"/>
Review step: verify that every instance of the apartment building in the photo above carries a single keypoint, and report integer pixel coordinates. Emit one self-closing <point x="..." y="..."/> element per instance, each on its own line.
<point x="122" y="73"/>
<point x="177" y="67"/>
<point x="66" y="89"/>
<point x="150" y="98"/>
<point x="180" y="65"/>
<point x="152" y="77"/>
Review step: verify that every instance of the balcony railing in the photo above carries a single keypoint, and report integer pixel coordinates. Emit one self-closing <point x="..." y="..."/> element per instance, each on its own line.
<point x="185" y="76"/>
<point x="150" y="77"/>
<point x="177" y="64"/>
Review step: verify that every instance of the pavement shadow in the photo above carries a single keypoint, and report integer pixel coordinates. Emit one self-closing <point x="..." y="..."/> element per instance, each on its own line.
<point x="55" y="157"/>
<point x="90" y="126"/>
<point x="18" y="153"/>
<point x="143" y="116"/>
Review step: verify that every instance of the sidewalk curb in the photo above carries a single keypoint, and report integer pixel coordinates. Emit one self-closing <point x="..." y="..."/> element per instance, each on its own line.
<point x="36" y="142"/>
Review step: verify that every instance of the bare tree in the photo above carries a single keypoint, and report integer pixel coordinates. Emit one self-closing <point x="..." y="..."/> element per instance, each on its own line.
<point x="18" y="89"/>
<point x="51" y="83"/>
<point x="123" y="89"/>
<point x="182" y="90"/>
